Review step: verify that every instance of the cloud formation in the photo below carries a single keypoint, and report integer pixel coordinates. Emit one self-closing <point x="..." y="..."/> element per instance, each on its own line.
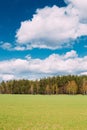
<point x="5" y="45"/>
<point x="54" y="27"/>
<point x="81" y="8"/>
<point x="55" y="64"/>
<point x="12" y="47"/>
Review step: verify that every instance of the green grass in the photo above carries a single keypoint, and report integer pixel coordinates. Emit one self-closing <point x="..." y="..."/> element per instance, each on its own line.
<point x="27" y="112"/>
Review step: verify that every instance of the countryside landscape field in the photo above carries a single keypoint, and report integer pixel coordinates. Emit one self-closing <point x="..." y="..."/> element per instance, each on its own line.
<point x="43" y="65"/>
<point x="43" y="112"/>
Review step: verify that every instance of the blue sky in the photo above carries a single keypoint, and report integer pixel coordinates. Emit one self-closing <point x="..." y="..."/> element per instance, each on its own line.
<point x="42" y="38"/>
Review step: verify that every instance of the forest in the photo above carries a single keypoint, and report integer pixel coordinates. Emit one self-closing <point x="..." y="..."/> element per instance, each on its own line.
<point x="70" y="84"/>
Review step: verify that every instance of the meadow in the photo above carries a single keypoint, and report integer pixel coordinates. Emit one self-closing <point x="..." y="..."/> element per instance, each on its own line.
<point x="39" y="112"/>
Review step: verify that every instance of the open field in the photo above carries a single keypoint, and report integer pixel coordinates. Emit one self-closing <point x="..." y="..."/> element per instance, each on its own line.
<point x="28" y="112"/>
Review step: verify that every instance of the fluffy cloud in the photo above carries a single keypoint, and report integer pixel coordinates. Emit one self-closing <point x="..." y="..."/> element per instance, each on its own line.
<point x="54" y="27"/>
<point x="19" y="48"/>
<point x="55" y="64"/>
<point x="71" y="54"/>
<point x="6" y="76"/>
<point x="6" y="45"/>
<point x="12" y="47"/>
<point x="81" y="8"/>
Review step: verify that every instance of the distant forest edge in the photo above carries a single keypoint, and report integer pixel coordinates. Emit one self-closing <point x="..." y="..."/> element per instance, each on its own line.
<point x="70" y="84"/>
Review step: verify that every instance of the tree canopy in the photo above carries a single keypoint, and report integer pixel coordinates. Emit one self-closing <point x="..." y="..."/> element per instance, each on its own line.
<point x="70" y="84"/>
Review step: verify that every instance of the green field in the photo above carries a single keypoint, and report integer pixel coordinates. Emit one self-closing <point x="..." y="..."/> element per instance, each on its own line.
<point x="29" y="112"/>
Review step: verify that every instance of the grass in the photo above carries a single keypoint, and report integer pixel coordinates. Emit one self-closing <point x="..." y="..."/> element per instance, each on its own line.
<point x="29" y="112"/>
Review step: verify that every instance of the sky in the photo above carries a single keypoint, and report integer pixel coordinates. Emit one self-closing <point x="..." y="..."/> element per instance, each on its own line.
<point x="41" y="38"/>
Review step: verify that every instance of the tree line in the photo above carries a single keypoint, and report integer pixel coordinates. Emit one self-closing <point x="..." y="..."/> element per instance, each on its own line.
<point x="71" y="84"/>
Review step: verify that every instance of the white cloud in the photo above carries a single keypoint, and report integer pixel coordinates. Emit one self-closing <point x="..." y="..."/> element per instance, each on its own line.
<point x="6" y="77"/>
<point x="54" y="27"/>
<point x="6" y="45"/>
<point x="12" y="47"/>
<point x="83" y="73"/>
<point x="81" y="7"/>
<point x="71" y="54"/>
<point x="29" y="68"/>
<point x="19" y="48"/>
